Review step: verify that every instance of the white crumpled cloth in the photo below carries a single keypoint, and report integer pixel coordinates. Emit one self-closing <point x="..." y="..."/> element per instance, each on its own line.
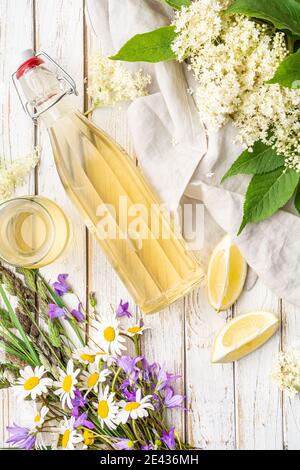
<point x="195" y="165"/>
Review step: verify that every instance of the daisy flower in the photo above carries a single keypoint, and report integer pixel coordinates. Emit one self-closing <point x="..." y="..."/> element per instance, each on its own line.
<point x="70" y="437"/>
<point x="39" y="418"/>
<point x="135" y="330"/>
<point x="32" y="383"/>
<point x="108" y="335"/>
<point x="107" y="408"/>
<point x="66" y="384"/>
<point x="84" y="355"/>
<point x="135" y="409"/>
<point x="93" y="376"/>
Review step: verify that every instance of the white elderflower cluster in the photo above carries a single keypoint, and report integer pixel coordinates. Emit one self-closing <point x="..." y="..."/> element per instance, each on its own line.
<point x="287" y="372"/>
<point x="13" y="174"/>
<point x="112" y="83"/>
<point x="231" y="58"/>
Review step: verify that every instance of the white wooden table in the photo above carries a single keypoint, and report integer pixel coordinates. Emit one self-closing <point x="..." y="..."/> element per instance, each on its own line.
<point x="235" y="406"/>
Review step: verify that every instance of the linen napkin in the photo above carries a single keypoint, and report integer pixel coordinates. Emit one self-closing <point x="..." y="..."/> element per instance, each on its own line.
<point x="179" y="156"/>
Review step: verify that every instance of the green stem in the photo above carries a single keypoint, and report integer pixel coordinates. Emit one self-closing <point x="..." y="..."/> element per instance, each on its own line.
<point x="136" y="433"/>
<point x="290" y="43"/>
<point x="115" y="379"/>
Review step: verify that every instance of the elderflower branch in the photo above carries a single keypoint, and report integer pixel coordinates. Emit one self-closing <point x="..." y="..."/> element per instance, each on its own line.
<point x="111" y="82"/>
<point x="232" y="58"/>
<point x="13" y="174"/>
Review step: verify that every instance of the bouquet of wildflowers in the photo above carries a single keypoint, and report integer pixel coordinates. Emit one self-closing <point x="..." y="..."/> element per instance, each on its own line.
<point x="86" y="392"/>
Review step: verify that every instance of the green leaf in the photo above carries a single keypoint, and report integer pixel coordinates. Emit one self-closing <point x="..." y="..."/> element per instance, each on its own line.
<point x="177" y="4"/>
<point x="297" y="199"/>
<point x="283" y="14"/>
<point x="53" y="331"/>
<point x="5" y="319"/>
<point x="267" y="193"/>
<point x="263" y="159"/>
<point x="18" y="326"/>
<point x="149" y="47"/>
<point x="288" y="72"/>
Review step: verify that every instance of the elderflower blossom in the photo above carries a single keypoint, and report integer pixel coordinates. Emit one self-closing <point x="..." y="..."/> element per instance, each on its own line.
<point x="112" y="83"/>
<point x="232" y="58"/>
<point x="287" y="372"/>
<point x="13" y="174"/>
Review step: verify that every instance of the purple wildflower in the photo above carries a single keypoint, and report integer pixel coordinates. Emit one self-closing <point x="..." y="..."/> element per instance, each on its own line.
<point x="82" y="420"/>
<point x="122" y="310"/>
<point x="77" y="314"/>
<point x="61" y="286"/>
<point x="56" y="312"/>
<point x="130" y="396"/>
<point x="124" y="444"/>
<point x="164" y="379"/>
<point x="78" y="401"/>
<point x="21" y="437"/>
<point x="171" y="400"/>
<point x="128" y="364"/>
<point x="148" y="447"/>
<point x="168" y="438"/>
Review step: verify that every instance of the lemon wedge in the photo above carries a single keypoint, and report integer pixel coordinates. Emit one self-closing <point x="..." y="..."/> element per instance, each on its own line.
<point x="226" y="276"/>
<point x="243" y="335"/>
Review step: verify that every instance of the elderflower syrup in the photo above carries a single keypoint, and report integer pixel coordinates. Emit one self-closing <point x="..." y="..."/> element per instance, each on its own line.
<point x="34" y="232"/>
<point x="116" y="203"/>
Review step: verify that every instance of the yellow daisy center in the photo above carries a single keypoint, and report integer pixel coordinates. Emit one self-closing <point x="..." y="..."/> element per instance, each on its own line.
<point x="31" y="383"/>
<point x="87" y="358"/>
<point x="37" y="419"/>
<point x="109" y="334"/>
<point x="103" y="409"/>
<point x="67" y="383"/>
<point x="92" y="380"/>
<point x="133" y="405"/>
<point x="134" y="329"/>
<point x="88" y="437"/>
<point x="65" y="439"/>
<point x="130" y="444"/>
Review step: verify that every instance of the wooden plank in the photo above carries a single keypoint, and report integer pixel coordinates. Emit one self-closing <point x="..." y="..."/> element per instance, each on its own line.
<point x="17" y="136"/>
<point x="291" y="406"/>
<point x="258" y="400"/>
<point x="210" y="390"/>
<point x="60" y="32"/>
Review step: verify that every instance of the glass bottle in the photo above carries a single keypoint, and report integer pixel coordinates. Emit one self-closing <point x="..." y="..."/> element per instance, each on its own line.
<point x="115" y="201"/>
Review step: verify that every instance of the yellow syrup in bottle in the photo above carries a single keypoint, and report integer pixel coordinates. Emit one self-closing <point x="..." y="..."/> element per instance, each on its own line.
<point x="115" y="201"/>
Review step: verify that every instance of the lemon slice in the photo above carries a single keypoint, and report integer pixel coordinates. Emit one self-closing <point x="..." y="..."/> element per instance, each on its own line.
<point x="226" y="277"/>
<point x="242" y="335"/>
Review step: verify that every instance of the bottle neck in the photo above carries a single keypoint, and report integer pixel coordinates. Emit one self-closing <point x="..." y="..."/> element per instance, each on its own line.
<point x="42" y="90"/>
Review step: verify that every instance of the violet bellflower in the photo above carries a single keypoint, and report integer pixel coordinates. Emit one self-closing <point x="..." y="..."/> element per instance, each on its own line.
<point x="79" y="401"/>
<point x="22" y="438"/>
<point x="56" y="312"/>
<point x="122" y="310"/>
<point x="82" y="420"/>
<point x="77" y="314"/>
<point x="168" y="438"/>
<point x="61" y="286"/>
<point x="148" y="447"/>
<point x="171" y="400"/>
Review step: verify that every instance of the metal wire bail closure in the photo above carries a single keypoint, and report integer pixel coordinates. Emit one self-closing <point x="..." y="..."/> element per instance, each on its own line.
<point x="61" y="75"/>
